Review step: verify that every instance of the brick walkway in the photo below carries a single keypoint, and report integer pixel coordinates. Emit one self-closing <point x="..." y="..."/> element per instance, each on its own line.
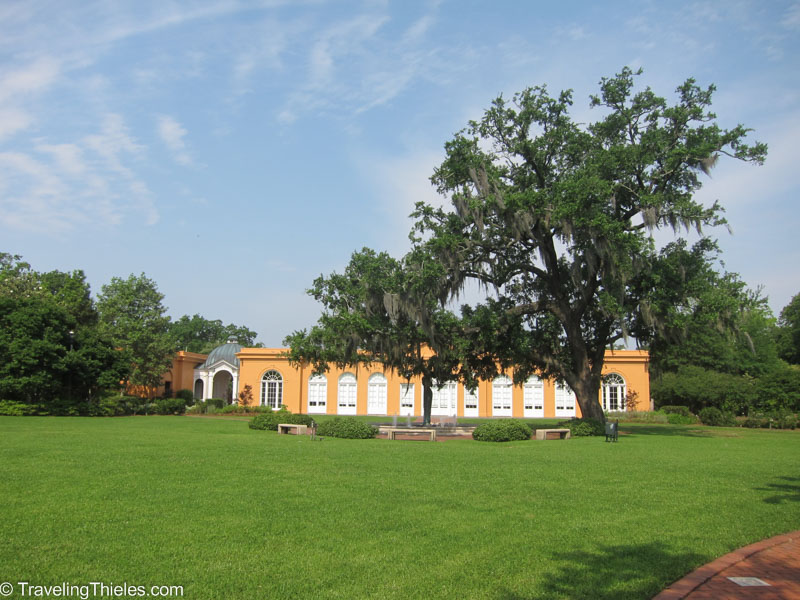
<point x="775" y="561"/>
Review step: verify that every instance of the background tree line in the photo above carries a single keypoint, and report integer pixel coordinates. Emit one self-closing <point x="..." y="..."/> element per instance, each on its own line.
<point x="61" y="349"/>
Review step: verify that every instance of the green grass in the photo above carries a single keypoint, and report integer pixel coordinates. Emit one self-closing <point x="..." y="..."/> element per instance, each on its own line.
<point x="229" y="512"/>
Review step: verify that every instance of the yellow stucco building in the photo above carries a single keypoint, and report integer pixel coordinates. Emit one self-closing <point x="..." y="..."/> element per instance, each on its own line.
<point x="229" y="368"/>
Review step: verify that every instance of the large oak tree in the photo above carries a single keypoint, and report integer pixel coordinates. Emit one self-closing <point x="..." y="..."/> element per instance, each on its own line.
<point x="557" y="219"/>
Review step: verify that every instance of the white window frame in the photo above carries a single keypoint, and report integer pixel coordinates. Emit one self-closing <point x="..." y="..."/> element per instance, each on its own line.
<point x="445" y="400"/>
<point x="317" y="394"/>
<point x="502" y="396"/>
<point x="533" y="398"/>
<point x="406" y="400"/>
<point x="471" y="402"/>
<point x="614" y="392"/>
<point x="272" y="389"/>
<point x="565" y="400"/>
<point x="377" y="388"/>
<point x="347" y="395"/>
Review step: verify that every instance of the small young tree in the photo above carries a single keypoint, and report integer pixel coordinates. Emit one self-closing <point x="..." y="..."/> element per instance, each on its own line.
<point x="246" y="396"/>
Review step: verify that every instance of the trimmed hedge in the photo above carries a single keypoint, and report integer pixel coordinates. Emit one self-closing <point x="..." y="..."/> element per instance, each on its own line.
<point x="584" y="427"/>
<point x="270" y="420"/>
<point x="716" y="418"/>
<point x="503" y="430"/>
<point x="348" y="428"/>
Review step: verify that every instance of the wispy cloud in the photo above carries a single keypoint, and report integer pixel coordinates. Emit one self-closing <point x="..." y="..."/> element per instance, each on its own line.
<point x="172" y="133"/>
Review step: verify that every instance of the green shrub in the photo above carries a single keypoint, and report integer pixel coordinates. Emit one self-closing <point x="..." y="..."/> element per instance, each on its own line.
<point x="676" y="410"/>
<point x="779" y="391"/>
<point x="217" y="403"/>
<point x="270" y="420"/>
<point x="584" y="427"/>
<point x="346" y="427"/>
<point x="638" y="416"/>
<point x="11" y="408"/>
<point x="697" y="387"/>
<point x="170" y="406"/>
<point x="678" y="419"/>
<point x="716" y="418"/>
<point x="186" y="395"/>
<point x="503" y="430"/>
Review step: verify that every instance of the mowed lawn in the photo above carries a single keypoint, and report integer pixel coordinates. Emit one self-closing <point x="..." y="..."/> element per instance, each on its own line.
<point x="228" y="512"/>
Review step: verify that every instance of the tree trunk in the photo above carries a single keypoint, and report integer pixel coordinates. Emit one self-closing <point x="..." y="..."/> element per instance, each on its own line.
<point x="427" y="399"/>
<point x="586" y="391"/>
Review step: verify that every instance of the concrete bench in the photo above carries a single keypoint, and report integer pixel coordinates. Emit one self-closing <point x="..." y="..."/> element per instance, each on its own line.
<point x="553" y="434"/>
<point x="391" y="432"/>
<point x="285" y="428"/>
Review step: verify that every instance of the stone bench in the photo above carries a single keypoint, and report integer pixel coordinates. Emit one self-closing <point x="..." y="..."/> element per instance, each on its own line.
<point x="391" y="432"/>
<point x="553" y="434"/>
<point x="285" y="428"/>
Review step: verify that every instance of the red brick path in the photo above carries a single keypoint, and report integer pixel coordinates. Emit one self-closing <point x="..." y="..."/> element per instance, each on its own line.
<point x="775" y="561"/>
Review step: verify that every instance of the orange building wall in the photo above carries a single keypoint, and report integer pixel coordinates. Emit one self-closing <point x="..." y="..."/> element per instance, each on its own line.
<point x="255" y="362"/>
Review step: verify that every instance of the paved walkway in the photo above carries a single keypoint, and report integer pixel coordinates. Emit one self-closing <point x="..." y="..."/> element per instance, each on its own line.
<point x="769" y="569"/>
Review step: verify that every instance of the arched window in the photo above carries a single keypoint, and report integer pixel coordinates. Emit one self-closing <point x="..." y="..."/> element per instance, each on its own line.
<point x="565" y="400"/>
<point x="614" y="392"/>
<point x="533" y="397"/>
<point x="272" y="390"/>
<point x="501" y="396"/>
<point x="317" y="394"/>
<point x="376" y="394"/>
<point x="347" y="394"/>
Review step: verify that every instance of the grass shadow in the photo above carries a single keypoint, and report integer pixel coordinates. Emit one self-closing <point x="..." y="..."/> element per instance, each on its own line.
<point x="783" y="492"/>
<point x="668" y="430"/>
<point x="612" y="571"/>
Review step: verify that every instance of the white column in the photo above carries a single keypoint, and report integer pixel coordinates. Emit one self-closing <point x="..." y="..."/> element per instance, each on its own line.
<point x="235" y="387"/>
<point x="207" y="381"/>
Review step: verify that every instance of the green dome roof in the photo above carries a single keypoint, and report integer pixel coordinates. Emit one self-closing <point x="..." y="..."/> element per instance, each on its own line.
<point x="226" y="352"/>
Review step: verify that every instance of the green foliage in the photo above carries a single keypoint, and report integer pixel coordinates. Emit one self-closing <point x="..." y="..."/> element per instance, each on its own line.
<point x="186" y="395"/>
<point x="270" y="419"/>
<point x="637" y="416"/>
<point x="170" y="406"/>
<point x="679" y="419"/>
<point x="387" y="311"/>
<point x="772" y="420"/>
<point x="348" y="428"/>
<point x="12" y="408"/>
<point x="788" y="335"/>
<point x="696" y="387"/>
<point x="502" y="430"/>
<point x="133" y="316"/>
<point x="713" y="416"/>
<point x="198" y="334"/>
<point x="557" y="217"/>
<point x="217" y="403"/>
<point x="780" y="390"/>
<point x="584" y="427"/>
<point x="675" y="410"/>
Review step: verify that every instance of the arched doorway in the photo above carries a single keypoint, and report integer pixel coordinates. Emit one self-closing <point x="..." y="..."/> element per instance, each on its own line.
<point x="222" y="386"/>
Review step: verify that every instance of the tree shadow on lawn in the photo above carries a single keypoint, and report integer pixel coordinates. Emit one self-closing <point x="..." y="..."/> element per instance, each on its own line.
<point x="674" y="430"/>
<point x="786" y="492"/>
<point x="612" y="571"/>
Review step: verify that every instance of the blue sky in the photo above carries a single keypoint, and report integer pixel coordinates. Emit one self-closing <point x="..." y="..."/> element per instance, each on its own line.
<point x="233" y="151"/>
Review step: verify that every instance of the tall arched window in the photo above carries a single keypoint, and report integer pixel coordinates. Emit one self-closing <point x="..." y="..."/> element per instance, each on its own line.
<point x="407" y="399"/>
<point x="501" y="396"/>
<point x="317" y="394"/>
<point x="346" y="399"/>
<point x="272" y="390"/>
<point x="614" y="392"/>
<point x="445" y="399"/>
<point x="533" y="397"/>
<point x="376" y="394"/>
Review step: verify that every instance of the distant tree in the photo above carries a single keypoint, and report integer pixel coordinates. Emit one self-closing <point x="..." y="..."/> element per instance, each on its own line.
<point x="133" y="316"/>
<point x="51" y="352"/>
<point x="788" y="335"/>
<point x="383" y="310"/>
<point x="720" y="325"/>
<point x="556" y="218"/>
<point x="198" y="334"/>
